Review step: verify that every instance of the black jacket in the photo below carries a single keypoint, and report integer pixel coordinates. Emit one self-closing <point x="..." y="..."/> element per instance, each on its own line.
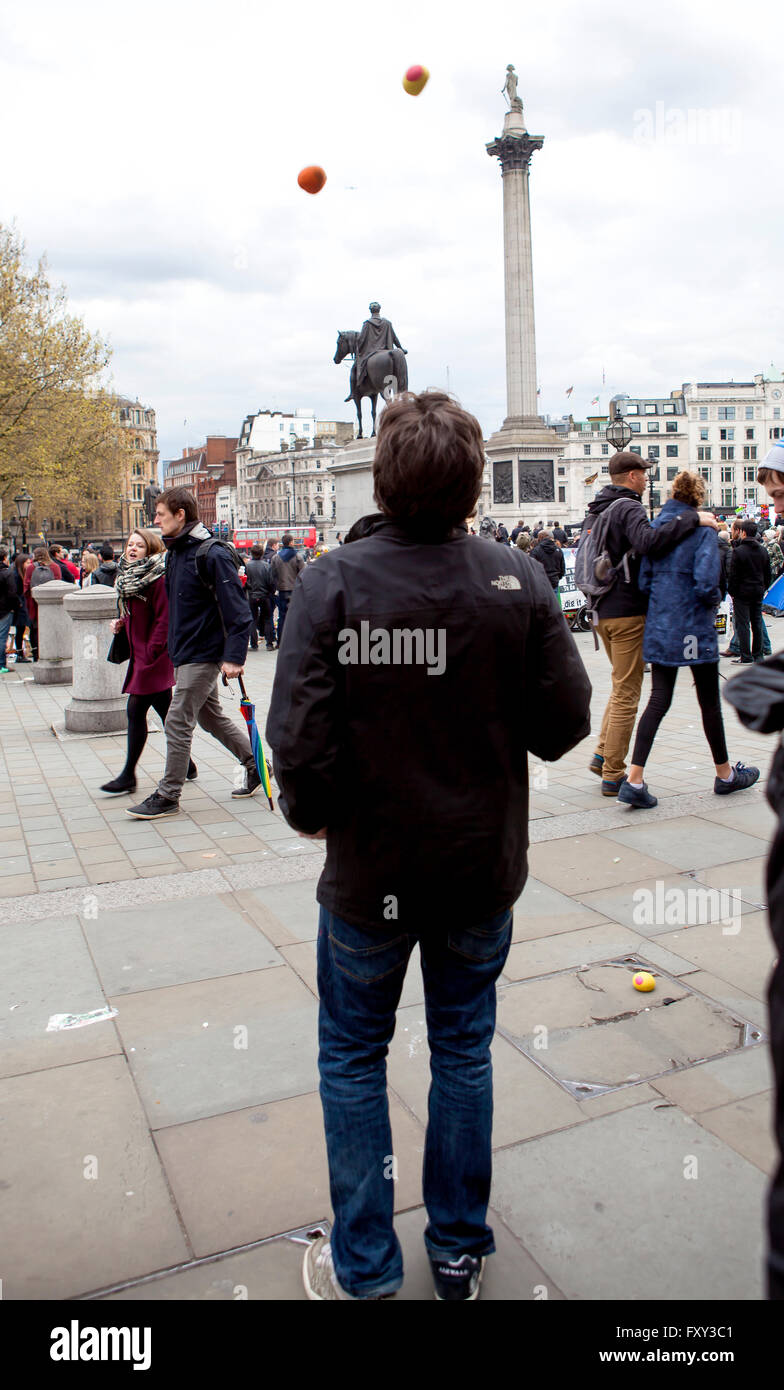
<point x="207" y="622"/>
<point x="749" y="570"/>
<point x="106" y="573"/>
<point x="548" y="554"/>
<point x="421" y="779"/>
<point x="260" y="585"/>
<point x="725" y="552"/>
<point x="630" y="529"/>
<point x="9" y="597"/>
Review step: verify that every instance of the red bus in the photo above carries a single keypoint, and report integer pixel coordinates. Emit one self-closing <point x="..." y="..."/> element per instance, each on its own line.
<point x="247" y="536"/>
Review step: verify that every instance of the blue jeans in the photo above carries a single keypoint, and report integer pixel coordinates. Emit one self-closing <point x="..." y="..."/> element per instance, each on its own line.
<point x="360" y="977"/>
<point x="283" y="607"/>
<point x="5" y="628"/>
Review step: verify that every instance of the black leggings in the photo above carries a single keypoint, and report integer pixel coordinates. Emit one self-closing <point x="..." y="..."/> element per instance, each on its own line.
<point x="138" y="706"/>
<point x="706" y="682"/>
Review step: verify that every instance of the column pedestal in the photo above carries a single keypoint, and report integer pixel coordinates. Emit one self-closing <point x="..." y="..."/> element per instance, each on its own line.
<point x="98" y="704"/>
<point x="55" y="635"/>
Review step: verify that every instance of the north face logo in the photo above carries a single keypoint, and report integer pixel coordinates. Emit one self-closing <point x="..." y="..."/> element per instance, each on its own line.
<point x="506" y="581"/>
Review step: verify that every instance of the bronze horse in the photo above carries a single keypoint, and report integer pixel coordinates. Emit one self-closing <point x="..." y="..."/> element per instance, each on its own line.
<point x="386" y="373"/>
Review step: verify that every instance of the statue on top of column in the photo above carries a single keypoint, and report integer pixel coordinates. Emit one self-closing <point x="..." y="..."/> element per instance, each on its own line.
<point x="509" y="89"/>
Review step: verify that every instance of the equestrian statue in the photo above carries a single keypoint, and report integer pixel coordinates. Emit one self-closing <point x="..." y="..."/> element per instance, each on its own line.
<point x="379" y="366"/>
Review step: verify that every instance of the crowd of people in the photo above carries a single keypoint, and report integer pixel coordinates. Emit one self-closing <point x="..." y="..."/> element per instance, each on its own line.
<point x="370" y="756"/>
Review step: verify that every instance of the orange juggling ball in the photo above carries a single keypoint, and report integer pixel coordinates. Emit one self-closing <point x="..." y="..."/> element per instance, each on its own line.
<point x="312" y="179"/>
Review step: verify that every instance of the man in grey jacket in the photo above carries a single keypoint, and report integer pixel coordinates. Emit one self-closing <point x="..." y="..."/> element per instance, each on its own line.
<point x="284" y="569"/>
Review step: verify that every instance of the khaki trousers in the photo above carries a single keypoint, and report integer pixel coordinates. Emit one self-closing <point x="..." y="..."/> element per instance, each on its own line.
<point x="196" y="701"/>
<point x="622" y="638"/>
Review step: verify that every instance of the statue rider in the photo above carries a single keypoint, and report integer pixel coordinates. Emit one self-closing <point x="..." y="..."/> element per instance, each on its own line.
<point x="375" y="335"/>
<point x="151" y="494"/>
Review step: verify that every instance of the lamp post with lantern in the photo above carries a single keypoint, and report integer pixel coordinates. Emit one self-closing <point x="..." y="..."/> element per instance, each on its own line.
<point x="23" y="503"/>
<point x="619" y="434"/>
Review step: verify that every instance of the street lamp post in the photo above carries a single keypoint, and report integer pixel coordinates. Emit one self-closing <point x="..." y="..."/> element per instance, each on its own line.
<point x="619" y="433"/>
<point x="13" y="527"/>
<point x="23" y="503"/>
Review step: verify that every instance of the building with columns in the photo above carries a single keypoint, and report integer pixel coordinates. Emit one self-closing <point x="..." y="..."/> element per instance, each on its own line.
<point x="139" y="421"/>
<point x="288" y="488"/>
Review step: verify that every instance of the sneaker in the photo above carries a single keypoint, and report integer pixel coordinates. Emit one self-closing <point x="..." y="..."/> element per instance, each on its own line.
<point x="457" y="1281"/>
<point x="271" y="647"/>
<point x="192" y="772"/>
<point x="320" y="1279"/>
<point x="612" y="788"/>
<point x="596" y="764"/>
<point x="153" y="808"/>
<point x="4" y="671"/>
<point x="252" y="784"/>
<point x="22" y="661"/>
<point x="119" y="785"/>
<point x="637" y="797"/>
<point x="742" y="661"/>
<point x="744" y="777"/>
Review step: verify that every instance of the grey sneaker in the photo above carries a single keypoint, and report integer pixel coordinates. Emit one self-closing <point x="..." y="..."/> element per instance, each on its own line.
<point x="320" y="1279"/>
<point x="743" y="777"/>
<point x="639" y="798"/>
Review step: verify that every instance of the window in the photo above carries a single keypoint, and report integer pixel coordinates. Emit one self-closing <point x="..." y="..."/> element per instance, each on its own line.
<point x="653" y="451"/>
<point x="749" y="434"/>
<point x="704" y="454"/>
<point x="775" y="434"/>
<point x="562" y="494"/>
<point x="587" y="449"/>
<point x="635" y="448"/>
<point x="777" y="412"/>
<point x="605" y="448"/>
<point x="650" y="407"/>
<point x="726" y="412"/>
<point x="749" y="475"/>
<point x="653" y="426"/>
<point x="672" y="451"/>
<point x="668" y="408"/>
<point x="561" y="472"/>
<point x="671" y="426"/>
<point x="726" y="434"/>
<point x="703" y="412"/>
<point x="703" y="434"/>
<point x="727" y="452"/>
<point x="728" y="475"/>
<point x="728" y="497"/>
<point x="630" y="409"/>
<point x="704" y="473"/>
<point x="749" y="451"/>
<point x="671" y="473"/>
<point x="749" y="412"/>
<point x="634" y="426"/>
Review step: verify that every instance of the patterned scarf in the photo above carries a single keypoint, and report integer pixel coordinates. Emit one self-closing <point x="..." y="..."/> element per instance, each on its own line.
<point x="133" y="576"/>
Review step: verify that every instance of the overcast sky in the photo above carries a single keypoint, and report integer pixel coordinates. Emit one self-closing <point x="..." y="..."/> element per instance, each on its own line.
<point x="155" y="151"/>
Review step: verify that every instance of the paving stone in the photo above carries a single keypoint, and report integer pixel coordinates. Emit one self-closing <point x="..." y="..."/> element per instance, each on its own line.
<point x="259" y="1171"/>
<point x="135" y="950"/>
<point x="625" y="1222"/>
<point x="13" y="885"/>
<point x="111" y="872"/>
<point x="744" y="960"/>
<point x="545" y="955"/>
<point x="271" y="1272"/>
<point x="185" y="1071"/>
<point x="14" y="864"/>
<point x="55" y="885"/>
<point x="753" y="817"/>
<point x="659" y="904"/>
<point x="61" y="1232"/>
<point x="57" y="868"/>
<point x="688" y="842"/>
<point x="747" y="1126"/>
<point x="543" y="911"/>
<point x="741" y="1005"/>
<point x="574" y="1000"/>
<point x="711" y="1084"/>
<point x="46" y="969"/>
<point x="592" y="862"/>
<point x="639" y="1093"/>
<point x="286" y="913"/>
<point x="745" y="877"/>
<point x="92" y="838"/>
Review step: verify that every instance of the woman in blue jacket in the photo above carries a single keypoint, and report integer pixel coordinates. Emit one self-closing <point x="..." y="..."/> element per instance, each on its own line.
<point x="680" y="630"/>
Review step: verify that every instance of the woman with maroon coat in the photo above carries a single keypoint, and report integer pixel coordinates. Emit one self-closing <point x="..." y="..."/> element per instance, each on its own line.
<point x="144" y="614"/>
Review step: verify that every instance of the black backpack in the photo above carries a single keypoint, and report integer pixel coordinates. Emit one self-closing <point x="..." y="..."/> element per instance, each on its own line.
<point x="201" y="557"/>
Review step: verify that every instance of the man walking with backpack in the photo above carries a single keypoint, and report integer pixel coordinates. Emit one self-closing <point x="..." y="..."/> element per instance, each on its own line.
<point x="615" y="536"/>
<point x="261" y="595"/>
<point x="209" y="623"/>
<point x="284" y="568"/>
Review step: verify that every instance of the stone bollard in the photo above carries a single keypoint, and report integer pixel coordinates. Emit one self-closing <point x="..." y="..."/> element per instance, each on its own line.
<point x="98" y="705"/>
<point x="55" y="635"/>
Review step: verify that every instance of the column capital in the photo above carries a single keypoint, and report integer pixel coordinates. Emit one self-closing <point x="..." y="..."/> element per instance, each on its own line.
<point x="514" y="151"/>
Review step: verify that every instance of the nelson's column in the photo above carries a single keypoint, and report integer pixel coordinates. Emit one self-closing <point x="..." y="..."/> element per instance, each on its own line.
<point x="523" y="453"/>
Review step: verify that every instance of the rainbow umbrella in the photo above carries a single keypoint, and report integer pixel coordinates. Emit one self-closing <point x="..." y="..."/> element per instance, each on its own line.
<point x="248" y="712"/>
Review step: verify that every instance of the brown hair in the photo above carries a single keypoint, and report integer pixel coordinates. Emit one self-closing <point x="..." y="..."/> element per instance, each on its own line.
<point x="152" y="541"/>
<point x="179" y="499"/>
<point x="429" y="461"/>
<point x="688" y="487"/>
<point x="769" y="475"/>
<point x="41" y="555"/>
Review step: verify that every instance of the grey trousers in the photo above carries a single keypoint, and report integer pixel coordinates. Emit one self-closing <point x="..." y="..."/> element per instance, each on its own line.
<point x="196" y="701"/>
